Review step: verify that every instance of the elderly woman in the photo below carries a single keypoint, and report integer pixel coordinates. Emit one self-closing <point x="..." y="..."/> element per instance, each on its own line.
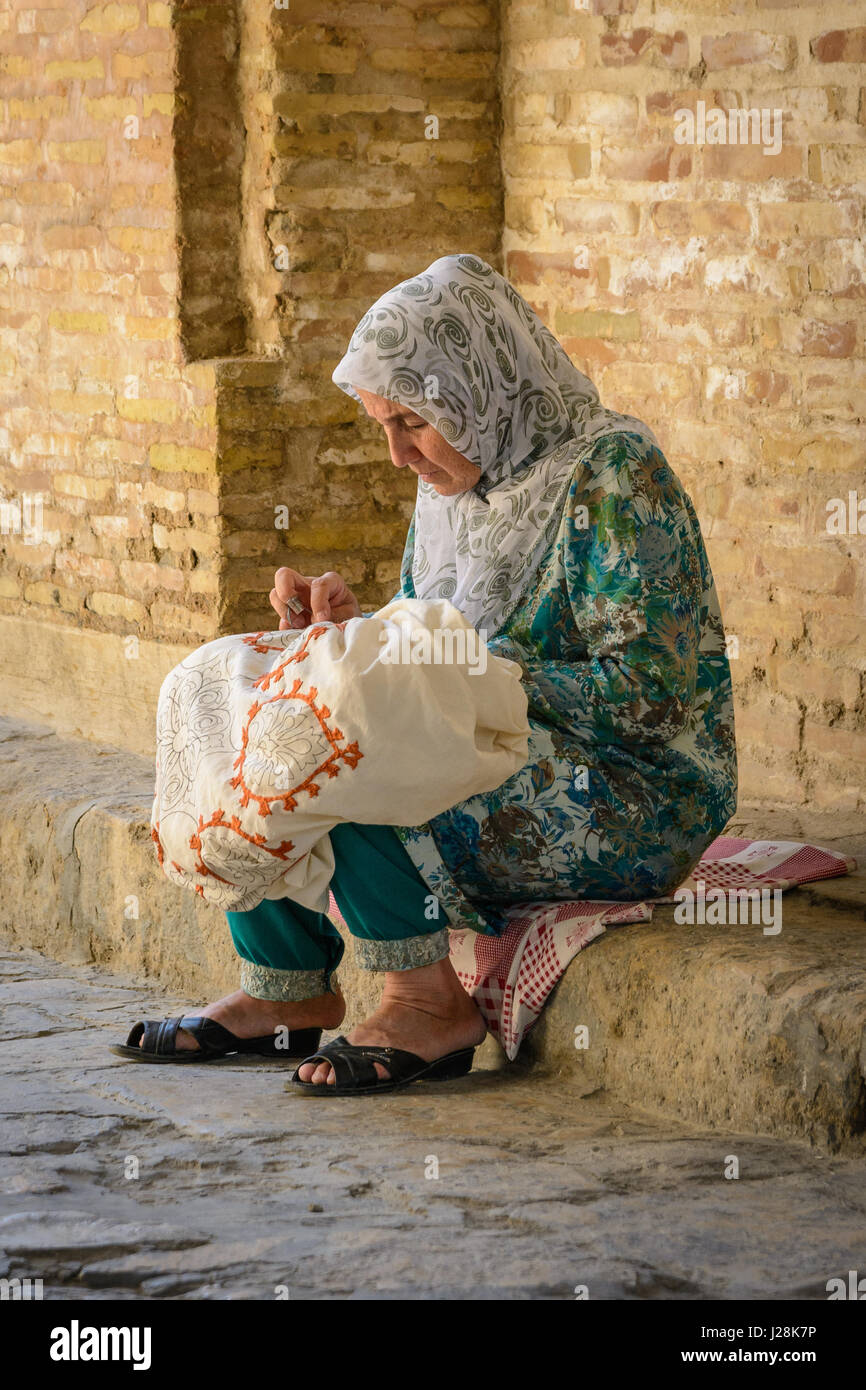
<point x="559" y="531"/>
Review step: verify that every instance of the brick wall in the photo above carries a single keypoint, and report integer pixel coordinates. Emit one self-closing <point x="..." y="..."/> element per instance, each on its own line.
<point x="176" y="293"/>
<point x="101" y="418"/>
<point x="372" y="148"/>
<point x="718" y="292"/>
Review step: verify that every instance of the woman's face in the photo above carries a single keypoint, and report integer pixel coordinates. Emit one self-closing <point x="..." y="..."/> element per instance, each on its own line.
<point x="417" y="445"/>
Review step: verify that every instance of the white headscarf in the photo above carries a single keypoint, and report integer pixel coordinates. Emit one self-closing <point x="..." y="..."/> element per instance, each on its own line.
<point x="461" y="348"/>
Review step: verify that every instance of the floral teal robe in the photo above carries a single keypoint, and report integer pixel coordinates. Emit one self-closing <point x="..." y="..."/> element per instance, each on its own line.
<point x="632" y="767"/>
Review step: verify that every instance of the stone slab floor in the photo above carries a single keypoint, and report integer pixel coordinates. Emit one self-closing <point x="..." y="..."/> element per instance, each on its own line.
<point x="243" y="1188"/>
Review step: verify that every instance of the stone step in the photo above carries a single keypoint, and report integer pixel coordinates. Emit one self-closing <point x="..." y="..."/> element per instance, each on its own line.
<point x="721" y="1025"/>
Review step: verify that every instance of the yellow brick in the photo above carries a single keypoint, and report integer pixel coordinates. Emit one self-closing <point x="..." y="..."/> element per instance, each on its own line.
<point x="295" y="104"/>
<point x="182" y="538"/>
<point x="337" y="198"/>
<point x="81" y="71"/>
<point x="548" y="55"/>
<point x="203" y="581"/>
<point x="139" y="241"/>
<point x="54" y="595"/>
<point x="159" y="16"/>
<point x="828" y="451"/>
<point x="235" y="458"/>
<point x="133" y="67"/>
<point x="161" y="102"/>
<point x="111" y="19"/>
<point x="77" y="321"/>
<point x="460" y="199"/>
<point x="111" y="108"/>
<point x="16" y="67"/>
<point x="249" y="543"/>
<point x="168" y="498"/>
<point x="622" y="328"/>
<point x="117" y="606"/>
<point x="319" y="57"/>
<point x="203" y="503"/>
<point x="37" y="108"/>
<point x="570" y="161"/>
<point x="649" y="380"/>
<point x="116" y="528"/>
<point x="53" y="194"/>
<point x="9" y="588"/>
<point x="305" y="144"/>
<point x="417" y="153"/>
<point x="170" y="616"/>
<point x="77" y="151"/>
<point x="447" y="66"/>
<point x="466" y="17"/>
<point x="808" y="219"/>
<point x="142" y="576"/>
<point x="153" y="330"/>
<point x="77" y="403"/>
<point x="175" y="458"/>
<point x="162" y="411"/>
<point x="18" y="152"/>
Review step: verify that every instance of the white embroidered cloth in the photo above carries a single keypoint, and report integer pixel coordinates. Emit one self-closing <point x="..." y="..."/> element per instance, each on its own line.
<point x="267" y="740"/>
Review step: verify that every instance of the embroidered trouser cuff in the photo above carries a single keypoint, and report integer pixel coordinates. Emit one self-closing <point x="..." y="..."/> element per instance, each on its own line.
<point x="266" y="982"/>
<point x="407" y="954"/>
<point x="289" y="952"/>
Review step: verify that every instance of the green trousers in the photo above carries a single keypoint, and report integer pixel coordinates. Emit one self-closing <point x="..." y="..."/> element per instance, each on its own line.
<point x="289" y="952"/>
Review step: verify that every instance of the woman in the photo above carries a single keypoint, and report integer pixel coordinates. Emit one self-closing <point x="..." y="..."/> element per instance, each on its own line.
<point x="560" y="532"/>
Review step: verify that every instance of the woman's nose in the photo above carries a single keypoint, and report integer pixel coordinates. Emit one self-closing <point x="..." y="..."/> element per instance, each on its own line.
<point x="403" y="453"/>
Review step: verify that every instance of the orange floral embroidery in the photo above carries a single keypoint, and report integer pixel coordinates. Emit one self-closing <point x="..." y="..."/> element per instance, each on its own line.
<point x="348" y="754"/>
<point x="328" y="767"/>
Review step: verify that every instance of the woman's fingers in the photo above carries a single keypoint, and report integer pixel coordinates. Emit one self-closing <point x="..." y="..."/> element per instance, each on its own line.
<point x="323" y="591"/>
<point x="290" y="597"/>
<point x="300" y="599"/>
<point x="277" y="603"/>
<point x="290" y="584"/>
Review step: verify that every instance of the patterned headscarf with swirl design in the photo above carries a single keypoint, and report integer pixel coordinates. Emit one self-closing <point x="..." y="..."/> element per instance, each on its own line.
<point x="461" y="348"/>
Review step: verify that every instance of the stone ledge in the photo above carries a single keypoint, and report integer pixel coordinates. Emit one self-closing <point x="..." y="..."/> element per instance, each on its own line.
<point x="716" y="1024"/>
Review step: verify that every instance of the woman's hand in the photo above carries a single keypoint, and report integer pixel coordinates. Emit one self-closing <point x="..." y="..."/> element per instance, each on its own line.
<point x="326" y="598"/>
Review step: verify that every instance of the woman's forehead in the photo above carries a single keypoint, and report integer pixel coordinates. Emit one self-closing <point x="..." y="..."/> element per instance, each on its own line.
<point x="383" y="410"/>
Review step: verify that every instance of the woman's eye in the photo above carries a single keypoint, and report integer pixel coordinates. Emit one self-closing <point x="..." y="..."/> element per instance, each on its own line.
<point x="422" y="426"/>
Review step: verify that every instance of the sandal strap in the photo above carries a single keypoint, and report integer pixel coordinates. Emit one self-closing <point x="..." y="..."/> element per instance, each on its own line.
<point x="210" y="1035"/>
<point x="159" y="1036"/>
<point x="354" y="1063"/>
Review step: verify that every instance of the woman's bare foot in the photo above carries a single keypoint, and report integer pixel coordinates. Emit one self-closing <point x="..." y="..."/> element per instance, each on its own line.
<point x="247" y="1017"/>
<point x="426" y="1011"/>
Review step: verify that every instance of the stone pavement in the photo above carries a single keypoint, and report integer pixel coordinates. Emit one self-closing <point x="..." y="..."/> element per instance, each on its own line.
<point x="242" y="1189"/>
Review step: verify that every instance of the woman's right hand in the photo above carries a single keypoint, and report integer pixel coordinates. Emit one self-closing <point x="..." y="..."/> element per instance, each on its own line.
<point x="326" y="598"/>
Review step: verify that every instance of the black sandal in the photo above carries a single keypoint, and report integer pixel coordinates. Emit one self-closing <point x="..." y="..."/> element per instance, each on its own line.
<point x="160" y="1042"/>
<point x="356" y="1075"/>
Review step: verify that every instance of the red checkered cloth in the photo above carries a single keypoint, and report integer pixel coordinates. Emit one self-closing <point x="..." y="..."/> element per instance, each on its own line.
<point x="510" y="976"/>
